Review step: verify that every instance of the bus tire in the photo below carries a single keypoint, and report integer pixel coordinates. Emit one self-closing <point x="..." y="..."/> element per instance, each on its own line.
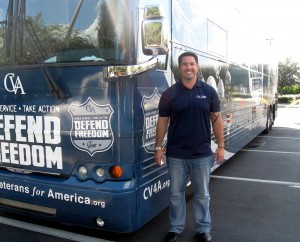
<point x="269" y="121"/>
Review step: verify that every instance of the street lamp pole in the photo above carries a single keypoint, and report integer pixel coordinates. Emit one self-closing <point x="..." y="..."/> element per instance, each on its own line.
<point x="270" y="41"/>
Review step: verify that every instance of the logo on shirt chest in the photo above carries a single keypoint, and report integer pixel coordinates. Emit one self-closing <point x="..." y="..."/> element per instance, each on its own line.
<point x="200" y="96"/>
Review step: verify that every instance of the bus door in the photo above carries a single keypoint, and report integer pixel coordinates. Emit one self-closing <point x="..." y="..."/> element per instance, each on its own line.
<point x="154" y="20"/>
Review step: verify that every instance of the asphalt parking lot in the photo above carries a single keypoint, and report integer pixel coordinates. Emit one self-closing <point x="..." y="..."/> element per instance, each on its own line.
<point x="255" y="196"/>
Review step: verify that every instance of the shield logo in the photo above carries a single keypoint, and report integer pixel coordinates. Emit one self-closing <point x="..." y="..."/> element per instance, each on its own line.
<point x="150" y="109"/>
<point x="91" y="126"/>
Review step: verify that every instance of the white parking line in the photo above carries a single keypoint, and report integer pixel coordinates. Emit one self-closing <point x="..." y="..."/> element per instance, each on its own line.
<point x="290" y="184"/>
<point x="276" y="137"/>
<point x="49" y="231"/>
<point x="272" y="151"/>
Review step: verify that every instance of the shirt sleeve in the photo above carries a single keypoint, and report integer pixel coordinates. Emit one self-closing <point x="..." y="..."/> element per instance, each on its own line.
<point x="164" y="105"/>
<point x="215" y="104"/>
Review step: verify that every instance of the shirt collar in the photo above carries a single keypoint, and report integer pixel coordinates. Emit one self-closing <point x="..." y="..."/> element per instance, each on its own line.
<point x="197" y="84"/>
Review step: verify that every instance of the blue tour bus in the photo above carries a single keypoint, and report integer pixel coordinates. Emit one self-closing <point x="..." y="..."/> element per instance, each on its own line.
<point x="80" y="83"/>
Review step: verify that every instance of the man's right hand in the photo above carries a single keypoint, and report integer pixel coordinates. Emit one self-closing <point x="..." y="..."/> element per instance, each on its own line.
<point x="160" y="158"/>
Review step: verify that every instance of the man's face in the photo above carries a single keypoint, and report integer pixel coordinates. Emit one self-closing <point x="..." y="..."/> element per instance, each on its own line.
<point x="188" y="68"/>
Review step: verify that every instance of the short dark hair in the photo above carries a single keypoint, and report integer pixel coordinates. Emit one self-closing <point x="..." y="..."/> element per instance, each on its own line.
<point x="188" y="53"/>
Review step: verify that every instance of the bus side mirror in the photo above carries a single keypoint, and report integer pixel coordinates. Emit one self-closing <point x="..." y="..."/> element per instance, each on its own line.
<point x="154" y="33"/>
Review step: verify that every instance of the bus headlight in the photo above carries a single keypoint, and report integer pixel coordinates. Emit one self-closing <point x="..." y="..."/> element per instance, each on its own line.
<point x="82" y="172"/>
<point x="100" y="172"/>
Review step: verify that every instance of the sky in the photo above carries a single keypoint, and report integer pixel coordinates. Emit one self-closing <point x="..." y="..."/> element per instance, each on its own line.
<point x="262" y="20"/>
<point x="277" y="20"/>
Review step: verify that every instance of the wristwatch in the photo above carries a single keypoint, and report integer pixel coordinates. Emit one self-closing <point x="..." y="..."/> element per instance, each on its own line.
<point x="158" y="148"/>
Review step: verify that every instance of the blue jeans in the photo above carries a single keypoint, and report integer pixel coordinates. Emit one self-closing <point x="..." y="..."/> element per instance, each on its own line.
<point x="198" y="170"/>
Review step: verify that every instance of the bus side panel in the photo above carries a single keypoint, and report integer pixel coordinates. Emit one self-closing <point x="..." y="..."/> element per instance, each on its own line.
<point x="243" y="111"/>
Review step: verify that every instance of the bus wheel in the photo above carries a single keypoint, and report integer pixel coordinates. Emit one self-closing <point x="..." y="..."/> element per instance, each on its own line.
<point x="269" y="122"/>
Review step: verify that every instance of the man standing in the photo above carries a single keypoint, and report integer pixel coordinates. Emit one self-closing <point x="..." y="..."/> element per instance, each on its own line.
<point x="190" y="107"/>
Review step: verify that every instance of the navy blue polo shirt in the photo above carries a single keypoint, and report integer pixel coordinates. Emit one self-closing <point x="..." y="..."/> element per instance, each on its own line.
<point x="189" y="132"/>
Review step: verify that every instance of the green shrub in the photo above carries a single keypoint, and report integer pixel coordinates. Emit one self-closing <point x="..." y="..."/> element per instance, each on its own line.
<point x="294" y="89"/>
<point x="288" y="98"/>
<point x="285" y="99"/>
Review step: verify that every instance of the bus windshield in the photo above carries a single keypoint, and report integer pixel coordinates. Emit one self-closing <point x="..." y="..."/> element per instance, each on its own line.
<point x="63" y="31"/>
